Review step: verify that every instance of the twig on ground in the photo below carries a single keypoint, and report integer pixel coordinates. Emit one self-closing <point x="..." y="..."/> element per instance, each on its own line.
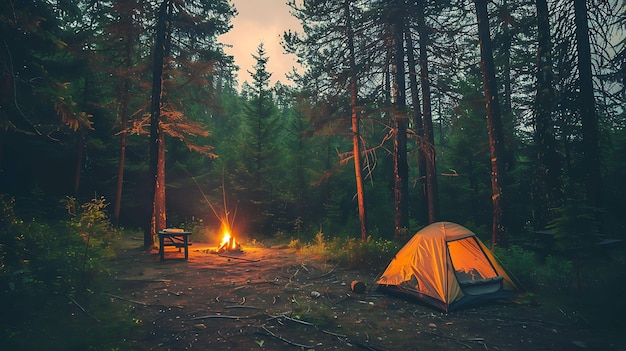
<point x="240" y="306"/>
<point x="501" y="318"/>
<point x="238" y="258"/>
<point x="325" y="274"/>
<point x="329" y="299"/>
<point x="291" y="319"/>
<point x="304" y="267"/>
<point x="286" y="340"/>
<point x="342" y="299"/>
<point x="449" y="338"/>
<point x="179" y="333"/>
<point x="82" y="309"/>
<point x="480" y="341"/>
<point x="334" y="334"/>
<point x="226" y="338"/>
<point x="129" y="300"/>
<point x="292" y="276"/>
<point x="218" y="316"/>
<point x="365" y="346"/>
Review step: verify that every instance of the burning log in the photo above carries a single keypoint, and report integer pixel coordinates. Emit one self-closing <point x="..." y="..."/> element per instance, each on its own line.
<point x="228" y="244"/>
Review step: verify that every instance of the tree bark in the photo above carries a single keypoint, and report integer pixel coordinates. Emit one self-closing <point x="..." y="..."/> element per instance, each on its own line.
<point x="123" y="119"/>
<point x="429" y="135"/>
<point x="494" y="124"/>
<point x="547" y="193"/>
<point x="80" y="147"/>
<point x="355" y="122"/>
<point x="150" y="232"/>
<point x="506" y="58"/>
<point x="418" y="126"/>
<point x="587" y="107"/>
<point x="401" y="168"/>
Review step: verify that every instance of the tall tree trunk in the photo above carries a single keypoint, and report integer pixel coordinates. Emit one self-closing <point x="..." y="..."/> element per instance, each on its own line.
<point x="401" y="168"/>
<point x="159" y="194"/>
<point x="80" y="151"/>
<point x="494" y="124"/>
<point x="150" y="232"/>
<point x="547" y="185"/>
<point x="429" y="142"/>
<point x="355" y="122"/>
<point x="6" y="93"/>
<point x="120" y="172"/>
<point x="418" y="126"/>
<point x="587" y="106"/>
<point x="123" y="119"/>
<point x="506" y="19"/>
<point x="80" y="147"/>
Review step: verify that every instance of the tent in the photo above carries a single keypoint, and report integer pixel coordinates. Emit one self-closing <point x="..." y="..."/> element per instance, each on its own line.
<point x="446" y="266"/>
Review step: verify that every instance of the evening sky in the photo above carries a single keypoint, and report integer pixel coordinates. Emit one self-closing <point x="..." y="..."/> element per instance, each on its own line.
<point x="261" y="21"/>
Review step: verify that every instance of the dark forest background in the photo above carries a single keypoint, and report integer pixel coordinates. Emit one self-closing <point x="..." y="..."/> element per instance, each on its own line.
<point x="505" y="116"/>
<point x="77" y="98"/>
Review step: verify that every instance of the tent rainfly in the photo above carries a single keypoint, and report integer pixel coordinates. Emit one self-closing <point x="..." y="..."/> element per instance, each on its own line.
<point x="446" y="266"/>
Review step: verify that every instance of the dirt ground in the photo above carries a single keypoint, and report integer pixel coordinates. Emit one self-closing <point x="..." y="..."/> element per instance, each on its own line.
<point x="272" y="298"/>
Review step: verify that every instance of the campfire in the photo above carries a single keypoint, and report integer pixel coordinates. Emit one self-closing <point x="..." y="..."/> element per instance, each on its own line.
<point x="229" y="243"/>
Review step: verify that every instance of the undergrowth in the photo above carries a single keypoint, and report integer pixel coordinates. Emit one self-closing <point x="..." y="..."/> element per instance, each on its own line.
<point x="52" y="279"/>
<point x="536" y="273"/>
<point x="350" y="252"/>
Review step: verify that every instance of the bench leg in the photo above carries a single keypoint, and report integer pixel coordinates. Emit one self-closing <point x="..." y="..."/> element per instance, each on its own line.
<point x="186" y="240"/>
<point x="161" y="248"/>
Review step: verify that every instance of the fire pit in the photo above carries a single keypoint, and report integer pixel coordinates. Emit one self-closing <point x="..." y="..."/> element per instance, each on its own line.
<point x="229" y="244"/>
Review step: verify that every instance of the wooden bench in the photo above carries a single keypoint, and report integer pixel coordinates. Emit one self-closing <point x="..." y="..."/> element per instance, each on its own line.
<point x="174" y="237"/>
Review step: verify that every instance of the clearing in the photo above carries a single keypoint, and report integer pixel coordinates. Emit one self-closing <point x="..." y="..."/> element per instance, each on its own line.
<point x="272" y="298"/>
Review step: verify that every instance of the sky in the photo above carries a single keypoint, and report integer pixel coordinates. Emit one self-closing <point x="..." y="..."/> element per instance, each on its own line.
<point x="260" y="21"/>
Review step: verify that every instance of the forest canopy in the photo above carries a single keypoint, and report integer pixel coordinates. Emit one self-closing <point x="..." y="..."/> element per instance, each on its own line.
<point x="386" y="129"/>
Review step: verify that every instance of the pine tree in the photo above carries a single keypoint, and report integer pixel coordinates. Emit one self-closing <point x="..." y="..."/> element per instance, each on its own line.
<point x="494" y="123"/>
<point x="260" y="147"/>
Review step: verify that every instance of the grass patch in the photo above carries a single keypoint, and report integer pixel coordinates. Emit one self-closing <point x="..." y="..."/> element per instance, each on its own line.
<point x="349" y="252"/>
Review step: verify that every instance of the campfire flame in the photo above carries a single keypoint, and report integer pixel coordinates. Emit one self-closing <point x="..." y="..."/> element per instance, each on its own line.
<point x="228" y="242"/>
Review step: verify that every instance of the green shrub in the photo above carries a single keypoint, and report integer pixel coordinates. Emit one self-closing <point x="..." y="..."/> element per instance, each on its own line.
<point x="549" y="274"/>
<point x="49" y="275"/>
<point x="351" y="252"/>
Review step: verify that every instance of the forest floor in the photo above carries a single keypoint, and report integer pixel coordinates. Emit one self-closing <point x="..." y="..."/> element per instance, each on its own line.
<point x="273" y="298"/>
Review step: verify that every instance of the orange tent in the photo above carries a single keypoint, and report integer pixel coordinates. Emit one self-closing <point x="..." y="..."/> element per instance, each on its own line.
<point x="446" y="266"/>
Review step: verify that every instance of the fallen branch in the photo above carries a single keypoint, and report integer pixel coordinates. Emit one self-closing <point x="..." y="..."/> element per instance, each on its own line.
<point x="226" y="338"/>
<point x="129" y="300"/>
<point x="238" y="258"/>
<point x="291" y="319"/>
<point x="329" y="299"/>
<point x="449" y="338"/>
<point x="334" y="334"/>
<point x="82" y="309"/>
<point x="304" y="267"/>
<point x="240" y="306"/>
<point x="365" y="346"/>
<point x="218" y="316"/>
<point x="514" y="320"/>
<point x="285" y="340"/>
<point x="325" y="274"/>
<point x="342" y="299"/>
